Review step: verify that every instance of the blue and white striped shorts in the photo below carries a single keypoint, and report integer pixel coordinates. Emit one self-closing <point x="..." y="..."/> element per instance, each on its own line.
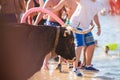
<point x="84" y="39"/>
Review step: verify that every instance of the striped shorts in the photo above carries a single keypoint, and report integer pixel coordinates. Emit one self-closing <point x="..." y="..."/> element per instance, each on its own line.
<point x="84" y="39"/>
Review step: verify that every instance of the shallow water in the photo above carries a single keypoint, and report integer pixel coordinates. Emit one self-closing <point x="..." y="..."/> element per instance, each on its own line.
<point x="109" y="66"/>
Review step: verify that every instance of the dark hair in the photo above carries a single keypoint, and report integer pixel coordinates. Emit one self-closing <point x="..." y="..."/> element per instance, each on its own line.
<point x="106" y="49"/>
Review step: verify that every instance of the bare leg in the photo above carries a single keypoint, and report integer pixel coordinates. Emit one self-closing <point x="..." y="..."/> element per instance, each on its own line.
<point x="45" y="63"/>
<point x="78" y="53"/>
<point x="89" y="54"/>
<point x="59" y="66"/>
<point x="84" y="56"/>
<point x="60" y="59"/>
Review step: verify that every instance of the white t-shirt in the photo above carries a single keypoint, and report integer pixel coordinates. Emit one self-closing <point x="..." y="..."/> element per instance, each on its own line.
<point x="84" y="14"/>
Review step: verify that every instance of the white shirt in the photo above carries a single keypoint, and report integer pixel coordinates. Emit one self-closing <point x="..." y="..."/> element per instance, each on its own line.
<point x="84" y="14"/>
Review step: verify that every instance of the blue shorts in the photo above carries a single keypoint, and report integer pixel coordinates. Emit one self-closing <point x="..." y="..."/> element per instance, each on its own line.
<point x="51" y="23"/>
<point x="84" y="39"/>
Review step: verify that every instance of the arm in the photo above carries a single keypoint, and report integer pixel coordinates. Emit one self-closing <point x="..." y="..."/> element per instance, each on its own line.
<point x="30" y="4"/>
<point x="40" y="15"/>
<point x="59" y="6"/>
<point x="98" y="24"/>
<point x="41" y="2"/>
<point x="22" y="5"/>
<point x="17" y="9"/>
